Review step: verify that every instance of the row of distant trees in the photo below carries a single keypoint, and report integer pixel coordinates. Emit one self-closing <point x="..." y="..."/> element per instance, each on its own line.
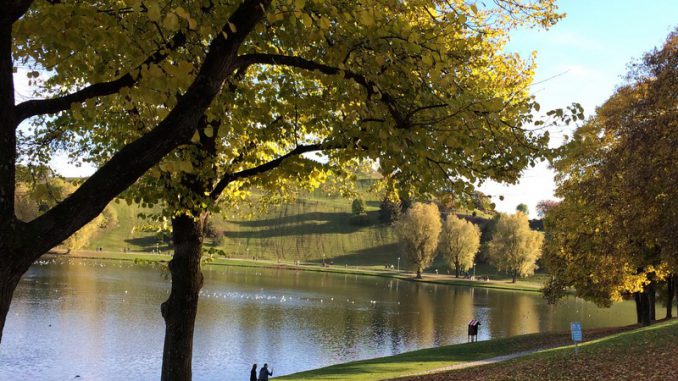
<point x="393" y="206"/>
<point x="513" y="248"/>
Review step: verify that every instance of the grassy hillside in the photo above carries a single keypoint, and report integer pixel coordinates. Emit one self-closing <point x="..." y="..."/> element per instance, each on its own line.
<point x="314" y="227"/>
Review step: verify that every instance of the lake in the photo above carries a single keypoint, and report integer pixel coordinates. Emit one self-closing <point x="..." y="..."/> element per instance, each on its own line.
<point x="100" y="320"/>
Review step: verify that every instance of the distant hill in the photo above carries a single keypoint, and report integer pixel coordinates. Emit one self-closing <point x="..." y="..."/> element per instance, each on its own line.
<point x="313" y="227"/>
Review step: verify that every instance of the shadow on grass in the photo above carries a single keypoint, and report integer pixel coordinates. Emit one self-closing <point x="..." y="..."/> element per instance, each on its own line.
<point x="314" y="223"/>
<point x="149" y="243"/>
<point x="381" y="255"/>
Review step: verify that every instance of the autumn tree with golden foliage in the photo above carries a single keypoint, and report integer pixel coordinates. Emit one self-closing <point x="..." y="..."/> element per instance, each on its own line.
<point x="514" y="247"/>
<point x="418" y="230"/>
<point x="613" y="234"/>
<point x="459" y="243"/>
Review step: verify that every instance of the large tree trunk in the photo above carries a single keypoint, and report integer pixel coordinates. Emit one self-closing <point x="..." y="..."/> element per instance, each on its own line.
<point x="419" y="273"/>
<point x="643" y="314"/>
<point x="515" y="276"/>
<point x="652" y="300"/>
<point x="456" y="269"/>
<point x="181" y="307"/>
<point x="670" y="285"/>
<point x="8" y="283"/>
<point x="8" y="124"/>
<point x="636" y="299"/>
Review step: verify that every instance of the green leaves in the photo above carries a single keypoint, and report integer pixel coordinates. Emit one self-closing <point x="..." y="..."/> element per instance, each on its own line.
<point x="171" y="22"/>
<point x="379" y="82"/>
<point x="153" y="10"/>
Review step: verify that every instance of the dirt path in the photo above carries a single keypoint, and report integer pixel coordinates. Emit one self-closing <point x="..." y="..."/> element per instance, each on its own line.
<point x="538" y="345"/>
<point x="492" y="360"/>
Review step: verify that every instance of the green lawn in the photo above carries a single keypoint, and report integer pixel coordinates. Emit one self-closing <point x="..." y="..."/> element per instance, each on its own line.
<point x="649" y="353"/>
<point x="434" y="358"/>
<point x="600" y="358"/>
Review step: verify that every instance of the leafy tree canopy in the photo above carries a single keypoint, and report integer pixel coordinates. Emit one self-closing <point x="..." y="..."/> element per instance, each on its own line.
<point x="614" y="231"/>
<point x="419" y="229"/>
<point x="514" y="247"/>
<point x="423" y="87"/>
<point x="459" y="243"/>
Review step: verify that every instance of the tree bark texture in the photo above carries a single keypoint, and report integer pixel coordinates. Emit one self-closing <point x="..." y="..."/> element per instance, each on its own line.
<point x="642" y="300"/>
<point x="8" y="284"/>
<point x="181" y="307"/>
<point x="652" y="300"/>
<point x="670" y="285"/>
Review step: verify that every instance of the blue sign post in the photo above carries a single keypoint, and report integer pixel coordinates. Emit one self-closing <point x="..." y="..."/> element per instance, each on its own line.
<point x="575" y="329"/>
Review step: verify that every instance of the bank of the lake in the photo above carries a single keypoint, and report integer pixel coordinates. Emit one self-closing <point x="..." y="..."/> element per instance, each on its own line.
<point x="100" y="319"/>
<point x="604" y="355"/>
<point x="531" y="284"/>
<point x="647" y="353"/>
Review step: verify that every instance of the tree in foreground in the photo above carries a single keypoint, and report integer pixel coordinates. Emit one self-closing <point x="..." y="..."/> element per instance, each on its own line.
<point x="218" y="98"/>
<point x="613" y="234"/>
<point x="459" y="243"/>
<point x="515" y="248"/>
<point x="418" y="230"/>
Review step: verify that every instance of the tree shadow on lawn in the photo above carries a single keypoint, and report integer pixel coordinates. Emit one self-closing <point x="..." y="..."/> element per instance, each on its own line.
<point x="148" y="243"/>
<point x="386" y="254"/>
<point x="314" y="223"/>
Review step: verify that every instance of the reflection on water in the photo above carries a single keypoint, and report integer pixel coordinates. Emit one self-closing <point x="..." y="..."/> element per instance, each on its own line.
<point x="101" y="320"/>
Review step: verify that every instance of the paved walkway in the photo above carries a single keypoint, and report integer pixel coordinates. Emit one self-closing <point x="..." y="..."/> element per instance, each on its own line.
<point x="470" y="364"/>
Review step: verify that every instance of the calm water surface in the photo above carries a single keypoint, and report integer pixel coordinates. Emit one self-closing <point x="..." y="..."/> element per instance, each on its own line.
<point x="100" y="320"/>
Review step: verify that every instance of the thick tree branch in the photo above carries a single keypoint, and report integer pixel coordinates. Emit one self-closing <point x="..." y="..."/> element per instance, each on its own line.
<point x="133" y="160"/>
<point x="301" y="63"/>
<point x="227" y="179"/>
<point x="35" y="107"/>
<point x="14" y="10"/>
<point x="8" y="125"/>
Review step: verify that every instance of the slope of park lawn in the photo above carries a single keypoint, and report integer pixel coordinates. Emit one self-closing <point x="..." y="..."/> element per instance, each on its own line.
<point x="625" y="353"/>
<point x="316" y="227"/>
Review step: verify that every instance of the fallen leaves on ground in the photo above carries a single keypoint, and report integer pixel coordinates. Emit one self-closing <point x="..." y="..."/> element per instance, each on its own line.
<point x="647" y="355"/>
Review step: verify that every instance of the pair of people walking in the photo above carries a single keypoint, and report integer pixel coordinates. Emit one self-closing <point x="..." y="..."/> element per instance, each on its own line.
<point x="264" y="373"/>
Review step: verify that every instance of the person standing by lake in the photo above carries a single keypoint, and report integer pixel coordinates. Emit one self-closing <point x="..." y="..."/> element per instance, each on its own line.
<point x="253" y="373"/>
<point x="264" y="373"/>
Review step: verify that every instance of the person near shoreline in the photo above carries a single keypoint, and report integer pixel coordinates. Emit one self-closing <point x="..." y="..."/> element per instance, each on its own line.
<point x="264" y="373"/>
<point x="253" y="373"/>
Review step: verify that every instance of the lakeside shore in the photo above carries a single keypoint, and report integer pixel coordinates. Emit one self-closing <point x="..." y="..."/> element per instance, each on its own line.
<point x="541" y="356"/>
<point x="443" y="279"/>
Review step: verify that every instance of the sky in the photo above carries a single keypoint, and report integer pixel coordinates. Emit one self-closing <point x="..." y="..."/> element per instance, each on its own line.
<point x="586" y="56"/>
<point x="581" y="59"/>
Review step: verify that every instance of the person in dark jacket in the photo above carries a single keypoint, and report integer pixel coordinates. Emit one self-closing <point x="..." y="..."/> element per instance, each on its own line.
<point x="264" y="373"/>
<point x="253" y="373"/>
